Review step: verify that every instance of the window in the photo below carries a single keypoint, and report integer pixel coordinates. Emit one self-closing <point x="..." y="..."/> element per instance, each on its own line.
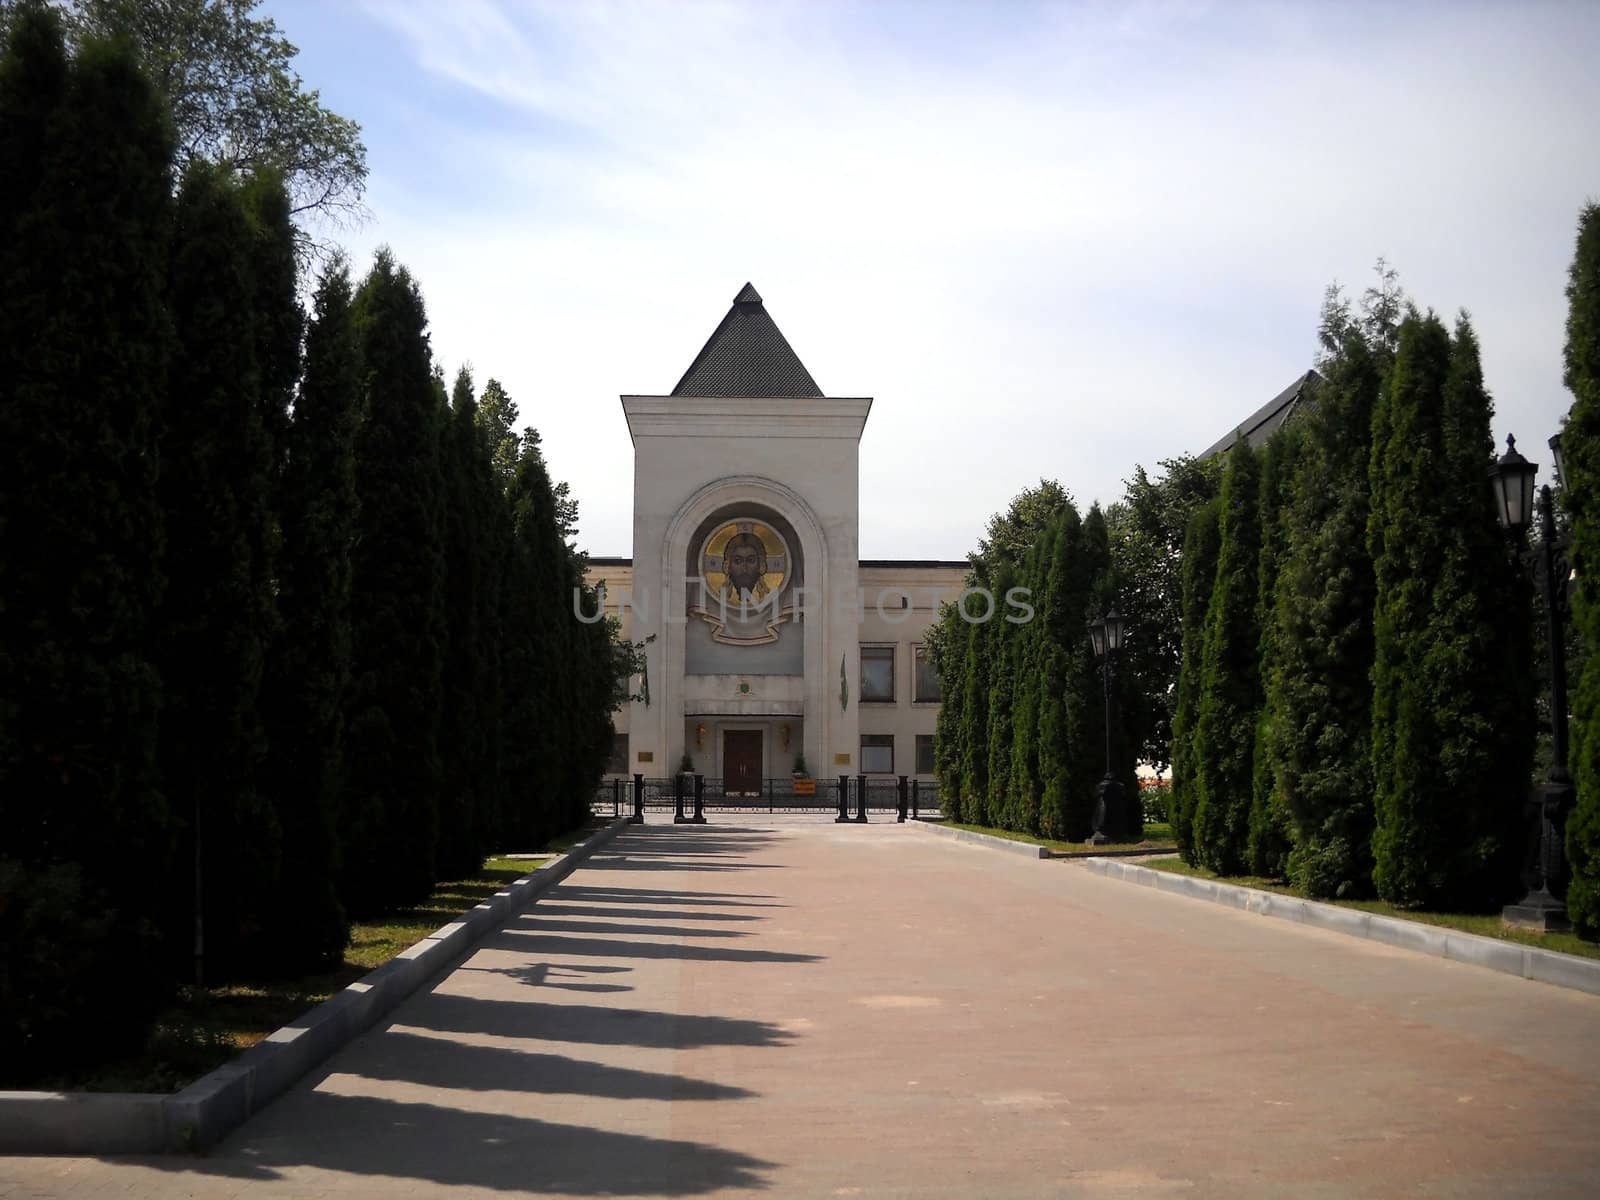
<point x="924" y="754"/>
<point x="619" y="755"/>
<point x="877" y="673"/>
<point x="877" y="753"/>
<point x="927" y="682"/>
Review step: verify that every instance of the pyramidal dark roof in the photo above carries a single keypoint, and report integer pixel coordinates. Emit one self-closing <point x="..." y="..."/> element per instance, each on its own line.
<point x="1271" y="416"/>
<point x="747" y="356"/>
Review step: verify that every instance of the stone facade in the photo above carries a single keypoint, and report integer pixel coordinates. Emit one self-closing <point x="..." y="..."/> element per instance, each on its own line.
<point x="766" y="637"/>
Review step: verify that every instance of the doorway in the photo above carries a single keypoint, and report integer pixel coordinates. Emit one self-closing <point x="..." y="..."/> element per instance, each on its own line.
<point x="741" y="762"/>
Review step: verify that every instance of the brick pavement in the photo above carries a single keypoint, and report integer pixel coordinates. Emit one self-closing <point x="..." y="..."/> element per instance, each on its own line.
<point x="789" y="1007"/>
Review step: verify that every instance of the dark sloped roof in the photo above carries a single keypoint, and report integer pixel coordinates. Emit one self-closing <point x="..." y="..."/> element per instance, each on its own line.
<point x="747" y="356"/>
<point x="1270" y="417"/>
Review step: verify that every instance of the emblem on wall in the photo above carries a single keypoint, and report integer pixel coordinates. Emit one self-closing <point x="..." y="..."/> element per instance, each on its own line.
<point x="744" y="566"/>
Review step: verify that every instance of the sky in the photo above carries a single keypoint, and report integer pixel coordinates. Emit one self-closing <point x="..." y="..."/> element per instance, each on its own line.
<point x="1049" y="240"/>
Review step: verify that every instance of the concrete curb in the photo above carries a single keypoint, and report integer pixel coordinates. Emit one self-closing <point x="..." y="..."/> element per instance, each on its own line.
<point x="1512" y="958"/>
<point x="213" y="1106"/>
<point x="1026" y="849"/>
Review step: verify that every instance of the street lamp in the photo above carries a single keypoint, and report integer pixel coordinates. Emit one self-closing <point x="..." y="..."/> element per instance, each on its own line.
<point x="1512" y="475"/>
<point x="1105" y="635"/>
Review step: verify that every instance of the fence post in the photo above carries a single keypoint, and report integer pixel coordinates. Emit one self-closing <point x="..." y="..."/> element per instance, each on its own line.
<point x="677" y="795"/>
<point x="915" y="801"/>
<point x="638" y="799"/>
<point x="861" y="798"/>
<point x="770" y="808"/>
<point x="699" y="817"/>
<point x="902" y="798"/>
<point x="844" y="800"/>
<point x="616" y="797"/>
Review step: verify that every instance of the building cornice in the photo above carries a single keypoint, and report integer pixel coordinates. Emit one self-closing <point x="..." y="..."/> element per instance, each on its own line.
<point x="834" y="417"/>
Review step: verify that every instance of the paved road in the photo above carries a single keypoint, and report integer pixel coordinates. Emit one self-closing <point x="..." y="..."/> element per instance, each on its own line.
<point x="801" y="1009"/>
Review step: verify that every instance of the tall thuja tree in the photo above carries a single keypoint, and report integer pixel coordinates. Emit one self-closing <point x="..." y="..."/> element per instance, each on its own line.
<point x="1494" y="706"/>
<point x="1200" y="545"/>
<point x="1148" y="526"/>
<point x="978" y="673"/>
<point x="947" y="651"/>
<point x="1268" y="845"/>
<point x="497" y="418"/>
<point x="1580" y="445"/>
<point x="541" y="641"/>
<point x="279" y="320"/>
<point x="462" y="733"/>
<point x="219" y="616"/>
<point x="390" y="830"/>
<point x="309" y="670"/>
<point x="1025" y="785"/>
<point x="1093" y="594"/>
<point x="600" y="688"/>
<point x="1320" y="689"/>
<point x="492" y="536"/>
<point x="1440" y="796"/>
<point x="1230" y="681"/>
<point x="1002" y="699"/>
<point x="1068" y="689"/>
<point x="85" y="216"/>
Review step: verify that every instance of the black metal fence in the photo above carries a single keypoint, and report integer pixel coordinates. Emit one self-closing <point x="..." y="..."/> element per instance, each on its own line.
<point x="621" y="796"/>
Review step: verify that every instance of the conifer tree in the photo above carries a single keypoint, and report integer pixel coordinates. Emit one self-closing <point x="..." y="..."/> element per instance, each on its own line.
<point x="279" y="320"/>
<point x="974" y="801"/>
<point x="1147" y="530"/>
<point x="492" y="535"/>
<point x="1066" y="690"/>
<point x="947" y="650"/>
<point x="1091" y="593"/>
<point x="538" y="734"/>
<point x="1230" y="685"/>
<point x="597" y="694"/>
<point x="1441" y="766"/>
<point x="219" y="616"/>
<point x="1002" y="701"/>
<point x="390" y="831"/>
<point x="1200" y="545"/>
<point x="309" y="671"/>
<point x="1494" y="704"/>
<point x="1321" y="688"/>
<point x="85" y="217"/>
<point x="497" y="416"/>
<point x="1025" y="785"/>
<point x="462" y="729"/>
<point x="1580" y="445"/>
<point x="1268" y="844"/>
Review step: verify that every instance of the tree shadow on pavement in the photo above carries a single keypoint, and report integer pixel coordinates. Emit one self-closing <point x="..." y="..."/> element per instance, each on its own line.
<point x="553" y="905"/>
<point x="409" y="1142"/>
<point x="631" y="895"/>
<point x="446" y="1063"/>
<point x="548" y="921"/>
<point x="539" y="1020"/>
<point x="555" y="975"/>
<point x="533" y="941"/>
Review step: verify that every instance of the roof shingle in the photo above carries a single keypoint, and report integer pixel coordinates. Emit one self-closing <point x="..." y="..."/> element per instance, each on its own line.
<point x="747" y="356"/>
<point x="1270" y="417"/>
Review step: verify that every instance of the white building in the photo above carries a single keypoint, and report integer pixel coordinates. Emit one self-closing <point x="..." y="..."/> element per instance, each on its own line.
<point x="766" y="636"/>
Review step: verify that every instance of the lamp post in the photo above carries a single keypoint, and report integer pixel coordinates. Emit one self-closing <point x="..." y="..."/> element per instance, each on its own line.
<point x="1512" y="475"/>
<point x="1106" y="637"/>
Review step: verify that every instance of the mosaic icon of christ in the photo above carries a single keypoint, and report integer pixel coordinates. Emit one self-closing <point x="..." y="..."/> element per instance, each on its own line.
<point x="744" y="560"/>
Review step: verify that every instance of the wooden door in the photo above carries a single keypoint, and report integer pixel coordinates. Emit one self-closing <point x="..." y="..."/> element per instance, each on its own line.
<point x="741" y="762"/>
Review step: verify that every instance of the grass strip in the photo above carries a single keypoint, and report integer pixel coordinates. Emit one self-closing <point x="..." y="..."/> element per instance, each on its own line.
<point x="204" y="1027"/>
<point x="1484" y="924"/>
<point x="1157" y="837"/>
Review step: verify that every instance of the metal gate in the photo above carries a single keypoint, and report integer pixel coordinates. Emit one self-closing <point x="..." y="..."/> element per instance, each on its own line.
<point x="615" y="797"/>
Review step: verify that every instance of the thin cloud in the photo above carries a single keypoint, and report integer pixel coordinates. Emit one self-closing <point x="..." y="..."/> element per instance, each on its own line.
<point x="1051" y="241"/>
